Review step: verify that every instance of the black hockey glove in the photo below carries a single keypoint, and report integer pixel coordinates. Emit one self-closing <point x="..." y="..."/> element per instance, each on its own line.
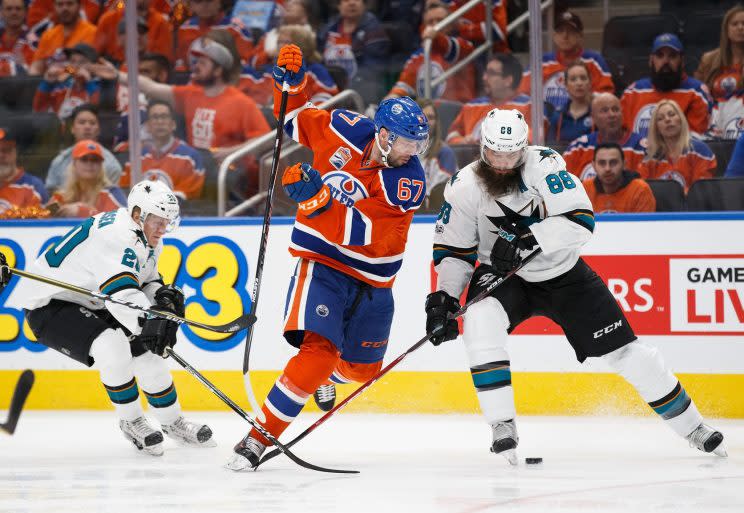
<point x="510" y="240"/>
<point x="4" y="272"/>
<point x="438" y="305"/>
<point x="158" y="333"/>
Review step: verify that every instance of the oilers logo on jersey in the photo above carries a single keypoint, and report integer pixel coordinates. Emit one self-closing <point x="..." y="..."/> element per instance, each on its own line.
<point x="345" y="188"/>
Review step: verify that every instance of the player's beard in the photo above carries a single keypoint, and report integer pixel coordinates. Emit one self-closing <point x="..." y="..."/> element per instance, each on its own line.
<point x="665" y="79"/>
<point x="498" y="183"/>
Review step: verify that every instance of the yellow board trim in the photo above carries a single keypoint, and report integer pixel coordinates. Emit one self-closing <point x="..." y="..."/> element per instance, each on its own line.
<point x="536" y="393"/>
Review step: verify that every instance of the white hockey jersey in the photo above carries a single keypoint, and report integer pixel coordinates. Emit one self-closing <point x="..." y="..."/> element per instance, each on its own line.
<point x="107" y="253"/>
<point x="550" y="200"/>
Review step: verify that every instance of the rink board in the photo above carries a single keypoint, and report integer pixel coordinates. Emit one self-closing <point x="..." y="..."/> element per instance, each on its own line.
<point x="679" y="278"/>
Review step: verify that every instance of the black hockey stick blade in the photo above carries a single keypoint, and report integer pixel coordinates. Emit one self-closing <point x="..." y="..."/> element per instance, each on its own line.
<point x="239" y="324"/>
<point x="22" y="389"/>
<point x="237" y="409"/>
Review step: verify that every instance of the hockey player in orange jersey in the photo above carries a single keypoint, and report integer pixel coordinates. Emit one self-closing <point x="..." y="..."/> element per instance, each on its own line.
<point x="355" y="205"/>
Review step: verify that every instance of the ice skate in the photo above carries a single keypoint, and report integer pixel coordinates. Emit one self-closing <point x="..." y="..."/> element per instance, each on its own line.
<point x="707" y="439"/>
<point x="505" y="440"/>
<point x="325" y="397"/>
<point x="142" y="435"/>
<point x="190" y="434"/>
<point x="247" y="454"/>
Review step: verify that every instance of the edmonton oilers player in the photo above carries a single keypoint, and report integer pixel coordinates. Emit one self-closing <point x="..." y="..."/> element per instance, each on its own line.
<point x="512" y="200"/>
<point x="355" y="205"/>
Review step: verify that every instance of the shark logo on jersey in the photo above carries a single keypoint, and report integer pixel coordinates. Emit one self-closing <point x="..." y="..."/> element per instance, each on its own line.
<point x="511" y="217"/>
<point x="547" y="153"/>
<point x="345" y="188"/>
<point x="340" y="158"/>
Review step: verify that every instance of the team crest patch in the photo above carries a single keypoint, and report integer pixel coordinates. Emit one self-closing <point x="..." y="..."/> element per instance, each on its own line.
<point x="340" y="158"/>
<point x="322" y="310"/>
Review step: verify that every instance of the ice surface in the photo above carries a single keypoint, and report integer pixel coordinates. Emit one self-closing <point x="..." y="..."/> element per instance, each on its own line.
<point x="79" y="462"/>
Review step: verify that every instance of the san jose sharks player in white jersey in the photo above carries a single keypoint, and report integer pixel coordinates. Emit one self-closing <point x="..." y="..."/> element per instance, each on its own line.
<point x="512" y="201"/>
<point x="117" y="253"/>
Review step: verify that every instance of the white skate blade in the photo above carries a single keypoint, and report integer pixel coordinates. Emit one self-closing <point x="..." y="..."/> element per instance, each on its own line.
<point x="238" y="463"/>
<point x="721" y="450"/>
<point x="154" y="450"/>
<point x="510" y="455"/>
<point x="185" y="442"/>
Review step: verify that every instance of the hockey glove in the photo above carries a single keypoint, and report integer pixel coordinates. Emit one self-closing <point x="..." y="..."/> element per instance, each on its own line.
<point x="4" y="272"/>
<point x="289" y="67"/>
<point x="510" y="240"/>
<point x="303" y="184"/>
<point x="439" y="305"/>
<point x="158" y="333"/>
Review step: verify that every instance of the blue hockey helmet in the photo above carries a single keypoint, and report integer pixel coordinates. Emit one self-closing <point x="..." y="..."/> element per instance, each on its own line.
<point x="406" y="122"/>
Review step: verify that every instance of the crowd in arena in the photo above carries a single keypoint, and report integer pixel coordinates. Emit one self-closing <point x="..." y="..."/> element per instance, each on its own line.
<point x="639" y="139"/>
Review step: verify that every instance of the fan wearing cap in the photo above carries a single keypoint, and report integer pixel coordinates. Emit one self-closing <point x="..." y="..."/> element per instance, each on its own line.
<point x="150" y="22"/>
<point x="70" y="84"/>
<point x="86" y="191"/>
<point x="568" y="38"/>
<point x="218" y="116"/>
<point x="208" y="15"/>
<point x="16" y="50"/>
<point x="18" y="190"/>
<point x="69" y="30"/>
<point x="667" y="80"/>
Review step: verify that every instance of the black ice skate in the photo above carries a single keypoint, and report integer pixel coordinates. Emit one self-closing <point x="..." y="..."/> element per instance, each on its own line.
<point x="142" y="435"/>
<point x="325" y="397"/>
<point x="505" y="440"/>
<point x="707" y="439"/>
<point x="247" y="454"/>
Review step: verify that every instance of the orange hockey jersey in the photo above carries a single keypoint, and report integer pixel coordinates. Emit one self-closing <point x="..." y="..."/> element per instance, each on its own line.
<point x="364" y="232"/>
<point x="640" y="98"/>
<point x="696" y="162"/>
<point x="15" y="54"/>
<point x="472" y="24"/>
<point x="108" y="199"/>
<point x="579" y="155"/>
<point x="446" y="52"/>
<point x="635" y="195"/>
<point x="467" y="124"/>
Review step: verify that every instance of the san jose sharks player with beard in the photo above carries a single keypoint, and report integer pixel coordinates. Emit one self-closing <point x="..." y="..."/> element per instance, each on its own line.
<point x="507" y="204"/>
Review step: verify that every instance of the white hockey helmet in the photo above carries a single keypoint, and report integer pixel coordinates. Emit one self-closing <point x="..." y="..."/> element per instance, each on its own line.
<point x="505" y="132"/>
<point x="155" y="197"/>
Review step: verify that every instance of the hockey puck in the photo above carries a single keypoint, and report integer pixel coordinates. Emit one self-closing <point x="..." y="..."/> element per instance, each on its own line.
<point x="533" y="461"/>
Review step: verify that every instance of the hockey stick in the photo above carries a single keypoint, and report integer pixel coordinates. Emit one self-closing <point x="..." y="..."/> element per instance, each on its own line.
<point x="22" y="389"/>
<point x="237" y="409"/>
<point x="262" y="249"/>
<point x="241" y="323"/>
<point x="480" y="296"/>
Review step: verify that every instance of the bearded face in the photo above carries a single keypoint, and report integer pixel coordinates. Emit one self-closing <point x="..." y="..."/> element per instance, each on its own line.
<point x="496" y="181"/>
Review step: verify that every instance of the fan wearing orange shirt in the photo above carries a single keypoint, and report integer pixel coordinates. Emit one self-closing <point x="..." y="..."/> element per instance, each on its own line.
<point x="70" y="30"/>
<point x="616" y="189"/>
<point x="40" y="9"/>
<point x="157" y="26"/>
<point x="16" y="51"/>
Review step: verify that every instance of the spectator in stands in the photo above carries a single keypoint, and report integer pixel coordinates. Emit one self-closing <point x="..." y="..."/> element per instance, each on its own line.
<point x="70" y="30"/>
<point x="90" y="10"/>
<point x="447" y="50"/>
<point x="295" y="12"/>
<point x="154" y="24"/>
<point x="575" y="118"/>
<point x="439" y="161"/>
<point x="607" y="118"/>
<point x="83" y="125"/>
<point x="86" y="191"/>
<point x="616" y="189"/>
<point x="472" y="24"/>
<point x="735" y="168"/>
<point x="208" y="15"/>
<point x="19" y="190"/>
<point x="167" y="158"/>
<point x="672" y="153"/>
<point x="16" y="51"/>
<point x="67" y="86"/>
<point x="500" y="81"/>
<point x="354" y="39"/>
<point x="568" y="38"/>
<point x="668" y="80"/>
<point x="721" y="69"/>
<point x="259" y="83"/>
<point x="153" y="66"/>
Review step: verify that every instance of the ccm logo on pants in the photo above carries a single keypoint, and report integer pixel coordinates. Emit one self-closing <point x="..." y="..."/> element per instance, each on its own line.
<point x="607" y="329"/>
